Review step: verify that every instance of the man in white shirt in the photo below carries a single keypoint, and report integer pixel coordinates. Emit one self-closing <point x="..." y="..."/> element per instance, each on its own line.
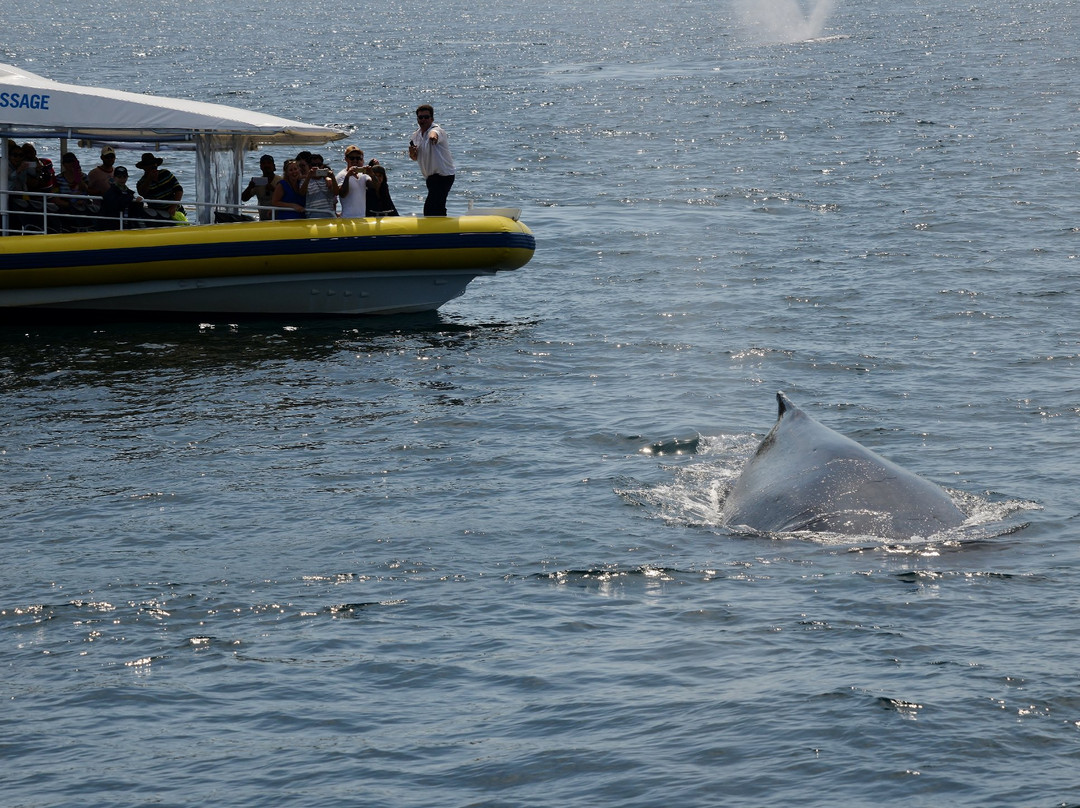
<point x="430" y="147"/>
<point x="352" y="185"/>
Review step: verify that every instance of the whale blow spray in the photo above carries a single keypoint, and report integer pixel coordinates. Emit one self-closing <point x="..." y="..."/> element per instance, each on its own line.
<point x="784" y="20"/>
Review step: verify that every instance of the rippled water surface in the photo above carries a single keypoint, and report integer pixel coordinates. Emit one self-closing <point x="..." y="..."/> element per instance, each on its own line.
<point x="475" y="558"/>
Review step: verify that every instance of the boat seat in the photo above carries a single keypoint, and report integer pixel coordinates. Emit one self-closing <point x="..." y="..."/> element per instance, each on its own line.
<point x="156" y="217"/>
<point x="226" y="217"/>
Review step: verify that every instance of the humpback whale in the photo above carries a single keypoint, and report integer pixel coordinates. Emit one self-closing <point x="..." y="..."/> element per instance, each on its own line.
<point x="805" y="476"/>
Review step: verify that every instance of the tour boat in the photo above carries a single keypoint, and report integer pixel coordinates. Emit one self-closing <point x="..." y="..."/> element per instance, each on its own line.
<point x="339" y="266"/>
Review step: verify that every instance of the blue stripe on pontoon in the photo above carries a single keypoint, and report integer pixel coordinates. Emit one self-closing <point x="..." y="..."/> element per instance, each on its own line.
<point x="250" y="249"/>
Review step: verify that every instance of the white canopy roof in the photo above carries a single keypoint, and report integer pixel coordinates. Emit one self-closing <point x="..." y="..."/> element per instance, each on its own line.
<point x="38" y="106"/>
<point x="35" y="107"/>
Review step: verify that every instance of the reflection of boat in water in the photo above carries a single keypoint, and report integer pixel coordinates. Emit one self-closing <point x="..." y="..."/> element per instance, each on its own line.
<point x="311" y="266"/>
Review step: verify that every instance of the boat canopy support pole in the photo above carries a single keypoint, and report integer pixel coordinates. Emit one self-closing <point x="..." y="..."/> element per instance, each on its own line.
<point x="4" y="223"/>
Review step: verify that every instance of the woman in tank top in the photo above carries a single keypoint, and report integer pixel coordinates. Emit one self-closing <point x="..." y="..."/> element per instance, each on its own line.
<point x="286" y="196"/>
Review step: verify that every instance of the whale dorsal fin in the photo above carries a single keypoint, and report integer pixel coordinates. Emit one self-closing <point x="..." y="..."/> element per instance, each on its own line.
<point x="783" y="404"/>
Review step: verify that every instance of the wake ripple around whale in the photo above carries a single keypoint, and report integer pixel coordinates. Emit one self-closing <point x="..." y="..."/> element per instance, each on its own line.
<point x="776" y="487"/>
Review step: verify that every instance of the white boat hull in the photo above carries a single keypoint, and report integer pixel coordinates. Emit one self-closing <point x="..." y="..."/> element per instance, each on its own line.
<point x="329" y="293"/>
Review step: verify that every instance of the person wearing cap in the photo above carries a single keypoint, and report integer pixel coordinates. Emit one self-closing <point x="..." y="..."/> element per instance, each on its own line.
<point x="119" y="199"/>
<point x="158" y="183"/>
<point x="353" y="183"/>
<point x="97" y="181"/>
<point x="262" y="188"/>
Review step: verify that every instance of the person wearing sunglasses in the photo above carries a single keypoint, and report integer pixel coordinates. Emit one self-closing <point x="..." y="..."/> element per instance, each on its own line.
<point x="353" y="183"/>
<point x="430" y="148"/>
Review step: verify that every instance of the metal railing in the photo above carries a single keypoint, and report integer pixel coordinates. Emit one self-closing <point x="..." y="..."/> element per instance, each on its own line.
<point x="33" y="212"/>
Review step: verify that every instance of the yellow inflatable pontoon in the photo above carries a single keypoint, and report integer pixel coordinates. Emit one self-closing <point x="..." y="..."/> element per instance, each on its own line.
<point x="310" y="266"/>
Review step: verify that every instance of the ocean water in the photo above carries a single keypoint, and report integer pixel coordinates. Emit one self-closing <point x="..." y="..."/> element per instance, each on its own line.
<point x="474" y="558"/>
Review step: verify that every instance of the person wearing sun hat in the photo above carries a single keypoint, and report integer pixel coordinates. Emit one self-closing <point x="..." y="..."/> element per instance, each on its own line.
<point x="159" y="184"/>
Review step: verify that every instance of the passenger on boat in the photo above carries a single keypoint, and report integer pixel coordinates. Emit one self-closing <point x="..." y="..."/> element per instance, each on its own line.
<point x="70" y="184"/>
<point x="16" y="170"/>
<point x="319" y="165"/>
<point x="353" y="183"/>
<point x="97" y="181"/>
<point x="16" y="183"/>
<point x="262" y="187"/>
<point x="318" y="185"/>
<point x="35" y="174"/>
<point x="287" y="195"/>
<point x="379" y="202"/>
<point x="430" y="148"/>
<point x="159" y="184"/>
<point x="119" y="200"/>
<point x="40" y="174"/>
